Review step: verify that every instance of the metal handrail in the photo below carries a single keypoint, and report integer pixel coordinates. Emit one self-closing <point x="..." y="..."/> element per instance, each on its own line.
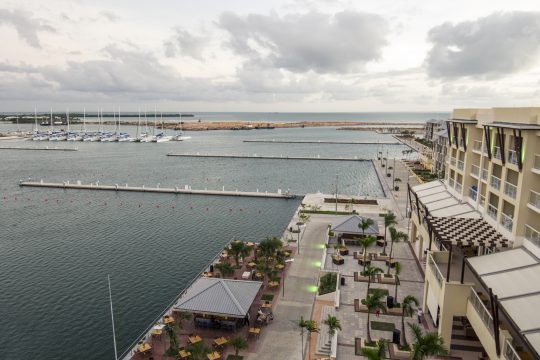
<point x="497" y="152"/>
<point x="509" y="352"/>
<point x="495" y="182"/>
<point x="532" y="235"/>
<point x="492" y="211"/>
<point x="460" y="164"/>
<point x="534" y="199"/>
<point x="482" y="311"/>
<point x="512" y="157"/>
<point x="510" y="189"/>
<point x="435" y="270"/>
<point x="507" y="222"/>
<point x="475" y="170"/>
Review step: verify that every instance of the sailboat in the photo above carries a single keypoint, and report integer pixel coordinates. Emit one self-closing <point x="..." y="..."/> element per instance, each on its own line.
<point x="38" y="136"/>
<point x="161" y="137"/>
<point x="123" y="136"/>
<point x="145" y="137"/>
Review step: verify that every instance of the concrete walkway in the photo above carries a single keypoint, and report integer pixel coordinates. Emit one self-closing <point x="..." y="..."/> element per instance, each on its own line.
<point x="281" y="338"/>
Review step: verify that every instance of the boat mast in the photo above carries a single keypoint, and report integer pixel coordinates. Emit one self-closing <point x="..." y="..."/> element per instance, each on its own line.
<point x="138" y="124"/>
<point x="51" y="123"/>
<point x="155" y="120"/>
<point x="112" y="318"/>
<point x="35" y="119"/>
<point x="146" y="122"/>
<point x="67" y="119"/>
<point x="84" y="120"/>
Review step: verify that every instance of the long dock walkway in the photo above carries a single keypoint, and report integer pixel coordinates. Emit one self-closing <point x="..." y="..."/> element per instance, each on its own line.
<point x="37" y="148"/>
<point x="271" y="157"/>
<point x="273" y="141"/>
<point x="175" y="190"/>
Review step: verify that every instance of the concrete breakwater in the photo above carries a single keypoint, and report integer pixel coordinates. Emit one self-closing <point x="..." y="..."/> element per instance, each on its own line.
<point x="324" y="142"/>
<point x="176" y="190"/>
<point x="255" y="156"/>
<point x="38" y="148"/>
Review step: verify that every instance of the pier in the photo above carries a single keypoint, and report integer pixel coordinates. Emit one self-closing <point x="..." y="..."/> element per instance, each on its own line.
<point x="269" y="157"/>
<point x="324" y="142"/>
<point x="38" y="148"/>
<point x="174" y="190"/>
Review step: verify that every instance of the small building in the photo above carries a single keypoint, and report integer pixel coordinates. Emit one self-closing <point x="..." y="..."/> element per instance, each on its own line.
<point x="347" y="228"/>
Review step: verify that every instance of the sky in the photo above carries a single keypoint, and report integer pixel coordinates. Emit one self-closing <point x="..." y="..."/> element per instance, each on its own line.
<point x="283" y="56"/>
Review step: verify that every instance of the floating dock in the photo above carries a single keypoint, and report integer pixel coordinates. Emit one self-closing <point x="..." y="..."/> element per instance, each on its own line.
<point x="175" y="190"/>
<point x="38" y="148"/>
<point x="324" y="142"/>
<point x="255" y="156"/>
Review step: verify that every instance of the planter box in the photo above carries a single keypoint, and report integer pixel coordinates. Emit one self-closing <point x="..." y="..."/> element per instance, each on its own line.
<point x="387" y="280"/>
<point x="399" y="354"/>
<point x="382" y="257"/>
<point x="344" y="251"/>
<point x="395" y="311"/>
<point x="338" y="260"/>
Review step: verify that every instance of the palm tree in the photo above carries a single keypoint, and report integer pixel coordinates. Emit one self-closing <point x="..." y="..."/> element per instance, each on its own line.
<point x="366" y="242"/>
<point x="238" y="343"/>
<point x="225" y="269"/>
<point x="170" y="330"/>
<point x="397" y="269"/>
<point x="408" y="310"/>
<point x="389" y="220"/>
<point x="395" y="236"/>
<point x="333" y="324"/>
<point x="370" y="272"/>
<point x="373" y="302"/>
<point x="310" y="326"/>
<point x="237" y="249"/>
<point x="376" y="354"/>
<point x="269" y="246"/>
<point x="365" y="224"/>
<point x="426" y="345"/>
<point x="198" y="350"/>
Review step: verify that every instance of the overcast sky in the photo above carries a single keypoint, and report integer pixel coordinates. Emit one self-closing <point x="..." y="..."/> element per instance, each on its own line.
<point x="245" y="55"/>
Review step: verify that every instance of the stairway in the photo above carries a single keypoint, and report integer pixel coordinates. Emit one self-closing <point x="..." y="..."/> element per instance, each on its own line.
<point x="324" y="341"/>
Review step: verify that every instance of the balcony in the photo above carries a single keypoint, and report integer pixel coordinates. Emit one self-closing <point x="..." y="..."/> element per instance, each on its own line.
<point x="507" y="222"/>
<point x="510" y="190"/>
<point x="477" y="146"/>
<point x="482" y="201"/>
<point x="512" y="157"/>
<point x="481" y="310"/>
<point x="452" y="161"/>
<point x="497" y="152"/>
<point x="451" y="182"/>
<point x="495" y="182"/>
<point x="461" y="143"/>
<point x="534" y="201"/>
<point x="532" y="235"/>
<point x="460" y="165"/>
<point x="475" y="171"/>
<point x="459" y="187"/>
<point x="536" y="165"/>
<point x="509" y="352"/>
<point x="473" y="193"/>
<point x="435" y="270"/>
<point x="484" y="174"/>
<point x="492" y="211"/>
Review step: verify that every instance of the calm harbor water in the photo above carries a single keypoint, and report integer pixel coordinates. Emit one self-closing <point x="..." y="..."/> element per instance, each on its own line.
<point x="57" y="247"/>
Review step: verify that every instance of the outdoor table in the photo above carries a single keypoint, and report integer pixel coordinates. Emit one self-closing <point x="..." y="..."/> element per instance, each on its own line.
<point x="280" y="266"/>
<point x="267" y="305"/>
<point x="142" y="348"/>
<point x="184" y="354"/>
<point x="273" y="284"/>
<point x="246" y="274"/>
<point x="157" y="329"/>
<point x="258" y="275"/>
<point x="213" y="356"/>
<point x="194" y="339"/>
<point x="168" y="319"/>
<point x="207" y="274"/>
<point x="380" y="242"/>
<point x="220" y="341"/>
<point x="255" y="331"/>
<point x="251" y="265"/>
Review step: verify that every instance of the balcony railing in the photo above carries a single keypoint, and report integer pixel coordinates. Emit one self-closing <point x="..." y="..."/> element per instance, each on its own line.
<point x="481" y="309"/>
<point x="484" y="174"/>
<point x="536" y="162"/>
<point x="477" y="146"/>
<point x="512" y="157"/>
<point x="495" y="182"/>
<point x="482" y="200"/>
<point x="435" y="270"/>
<point x="497" y="152"/>
<point x="473" y="193"/>
<point x="509" y="352"/>
<point x="492" y="211"/>
<point x="451" y="182"/>
<point x="475" y="170"/>
<point x="453" y="161"/>
<point x="507" y="222"/>
<point x="510" y="189"/>
<point x="459" y="187"/>
<point x="534" y="199"/>
<point x="460" y="165"/>
<point x="532" y="235"/>
<point x="461" y="144"/>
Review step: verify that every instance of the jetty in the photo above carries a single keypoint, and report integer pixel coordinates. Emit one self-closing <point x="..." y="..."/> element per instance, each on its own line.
<point x="175" y="190"/>
<point x="269" y="157"/>
<point x="37" y="148"/>
<point x="323" y="142"/>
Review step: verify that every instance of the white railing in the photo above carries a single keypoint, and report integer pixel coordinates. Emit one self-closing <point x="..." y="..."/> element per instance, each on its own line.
<point x="507" y="222"/>
<point x="534" y="199"/>
<point x="512" y="157"/>
<point x="475" y="170"/>
<point x="460" y="164"/>
<point x="509" y="352"/>
<point x="473" y="193"/>
<point x="453" y="161"/>
<point x="497" y="152"/>
<point x="495" y="182"/>
<point x="492" y="211"/>
<point x="482" y="200"/>
<point x="536" y="162"/>
<point x="532" y="235"/>
<point x="482" y="311"/>
<point x="484" y="174"/>
<point x="510" y="189"/>
<point x="451" y="182"/>
<point x="459" y="187"/>
<point x="477" y="146"/>
<point x="435" y="270"/>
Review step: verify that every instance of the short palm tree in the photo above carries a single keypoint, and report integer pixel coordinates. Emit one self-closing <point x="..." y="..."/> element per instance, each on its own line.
<point x="308" y="325"/>
<point x="427" y="345"/>
<point x="365" y="224"/>
<point x="198" y="351"/>
<point x="225" y="269"/>
<point x="408" y="304"/>
<point x="238" y="343"/>
<point x="373" y="302"/>
<point x="370" y="272"/>
<point x="333" y="324"/>
<point x="366" y="242"/>
<point x="395" y="236"/>
<point x="397" y="269"/>
<point x="376" y="354"/>
<point x="170" y="330"/>
<point x="389" y="220"/>
<point x="237" y="249"/>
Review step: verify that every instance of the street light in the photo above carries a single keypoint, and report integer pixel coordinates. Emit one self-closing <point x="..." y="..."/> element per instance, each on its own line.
<point x="283" y="278"/>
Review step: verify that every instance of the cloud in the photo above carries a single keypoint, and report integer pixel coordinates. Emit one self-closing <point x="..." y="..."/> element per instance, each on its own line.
<point x="323" y="43"/>
<point x="491" y="47"/>
<point x="25" y="24"/>
<point x="186" y="44"/>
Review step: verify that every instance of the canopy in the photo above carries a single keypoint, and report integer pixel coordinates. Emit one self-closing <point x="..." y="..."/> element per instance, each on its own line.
<point x="349" y="225"/>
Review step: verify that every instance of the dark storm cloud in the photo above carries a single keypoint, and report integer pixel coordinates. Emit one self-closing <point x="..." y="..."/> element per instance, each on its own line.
<point x="25" y="24"/>
<point x="323" y="43"/>
<point x="492" y="46"/>
<point x="185" y="43"/>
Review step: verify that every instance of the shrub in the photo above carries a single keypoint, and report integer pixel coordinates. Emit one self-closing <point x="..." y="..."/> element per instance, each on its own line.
<point x="327" y="283"/>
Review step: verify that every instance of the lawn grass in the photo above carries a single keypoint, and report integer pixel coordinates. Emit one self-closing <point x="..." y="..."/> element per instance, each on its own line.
<point x="383" y="326"/>
<point x="374" y="290"/>
<point x="267" y="297"/>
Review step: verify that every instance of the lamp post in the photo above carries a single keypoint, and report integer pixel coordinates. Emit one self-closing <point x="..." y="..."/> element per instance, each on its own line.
<point x="337" y="179"/>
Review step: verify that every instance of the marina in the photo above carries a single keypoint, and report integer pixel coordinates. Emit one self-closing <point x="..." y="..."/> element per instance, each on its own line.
<point x="255" y="156"/>
<point x="38" y="148"/>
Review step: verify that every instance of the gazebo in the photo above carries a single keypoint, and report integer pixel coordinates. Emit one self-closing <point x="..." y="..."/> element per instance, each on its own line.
<point x="218" y="303"/>
<point x="347" y="228"/>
